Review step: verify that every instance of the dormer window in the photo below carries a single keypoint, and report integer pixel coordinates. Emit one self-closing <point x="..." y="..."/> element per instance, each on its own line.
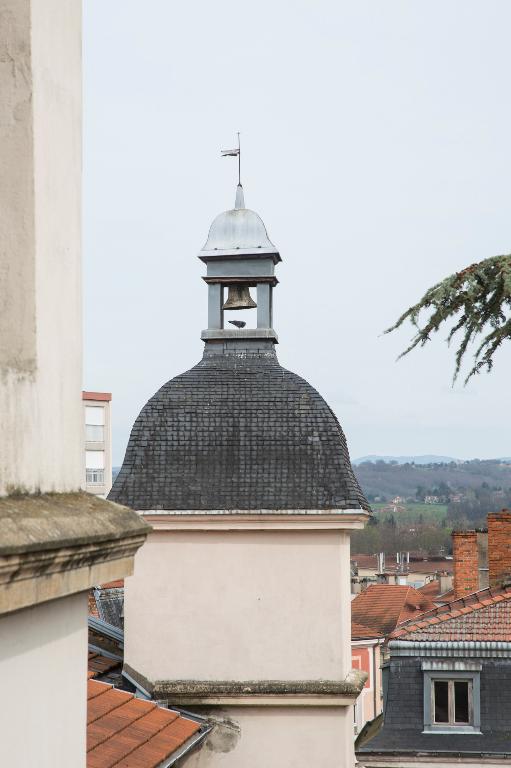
<point x="452" y="702"/>
<point x="451" y="696"/>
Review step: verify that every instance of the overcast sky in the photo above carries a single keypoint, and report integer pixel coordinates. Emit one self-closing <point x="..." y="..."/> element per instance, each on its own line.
<point x="375" y="142"/>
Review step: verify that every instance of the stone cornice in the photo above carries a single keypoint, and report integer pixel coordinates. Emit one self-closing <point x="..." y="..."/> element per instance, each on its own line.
<point x="254" y="692"/>
<point x="263" y="519"/>
<point x="57" y="544"/>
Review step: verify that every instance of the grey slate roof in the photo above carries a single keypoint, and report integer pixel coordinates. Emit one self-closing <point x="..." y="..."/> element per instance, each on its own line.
<point x="110" y="605"/>
<point x="403" y="724"/>
<point x="237" y="432"/>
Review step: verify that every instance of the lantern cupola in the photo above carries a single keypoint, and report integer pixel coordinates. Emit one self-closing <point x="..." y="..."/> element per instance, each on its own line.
<point x="239" y="257"/>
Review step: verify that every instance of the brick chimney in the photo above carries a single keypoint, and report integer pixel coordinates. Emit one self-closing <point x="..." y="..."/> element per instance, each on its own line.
<point x="499" y="547"/>
<point x="466" y="562"/>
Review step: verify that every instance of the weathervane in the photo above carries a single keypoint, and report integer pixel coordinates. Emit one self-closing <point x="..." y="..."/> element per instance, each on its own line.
<point x="234" y="153"/>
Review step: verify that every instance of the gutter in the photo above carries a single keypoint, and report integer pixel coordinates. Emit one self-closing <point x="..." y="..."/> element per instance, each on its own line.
<point x="457" y="644"/>
<point x="102" y="627"/>
<point x="193" y="743"/>
<point x="421" y="753"/>
<point x="107" y="654"/>
<point x="464" y="648"/>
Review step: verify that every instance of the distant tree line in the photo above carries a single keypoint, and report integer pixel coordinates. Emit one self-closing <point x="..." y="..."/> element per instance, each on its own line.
<point x="385" y="534"/>
<point x="475" y="505"/>
<point x="382" y="480"/>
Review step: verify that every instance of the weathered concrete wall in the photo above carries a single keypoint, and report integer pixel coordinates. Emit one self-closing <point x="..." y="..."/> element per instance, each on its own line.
<point x="43" y="668"/>
<point x="287" y="737"/>
<point x="40" y="289"/>
<point x="240" y="605"/>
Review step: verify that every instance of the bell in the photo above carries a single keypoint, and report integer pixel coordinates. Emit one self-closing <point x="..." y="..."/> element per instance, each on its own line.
<point x="239" y="298"/>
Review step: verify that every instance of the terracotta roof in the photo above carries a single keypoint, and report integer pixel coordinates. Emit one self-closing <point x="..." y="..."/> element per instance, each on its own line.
<point x="96" y="396"/>
<point x="483" y="616"/>
<point x="430" y="566"/>
<point x="129" y="732"/>
<point x="381" y="607"/>
<point x="99" y="664"/>
<point x="361" y="632"/>
<point x="432" y="590"/>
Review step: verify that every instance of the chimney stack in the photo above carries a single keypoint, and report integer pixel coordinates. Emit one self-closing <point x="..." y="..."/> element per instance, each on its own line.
<point x="499" y="547"/>
<point x="466" y="563"/>
<point x="446" y="582"/>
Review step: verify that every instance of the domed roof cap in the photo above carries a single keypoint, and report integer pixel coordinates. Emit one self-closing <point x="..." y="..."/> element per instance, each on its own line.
<point x="237" y="432"/>
<point x="238" y="231"/>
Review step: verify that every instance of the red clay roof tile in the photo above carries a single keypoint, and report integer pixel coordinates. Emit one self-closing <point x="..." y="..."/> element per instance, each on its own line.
<point x="359" y="631"/>
<point x="381" y="607"/>
<point x="99" y="664"/>
<point x="431" y="589"/>
<point x="107" y="700"/>
<point x="103" y="729"/>
<point x="483" y="616"/>
<point x="125" y="732"/>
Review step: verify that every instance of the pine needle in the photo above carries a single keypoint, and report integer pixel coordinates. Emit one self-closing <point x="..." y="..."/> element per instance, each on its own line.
<point x="478" y="301"/>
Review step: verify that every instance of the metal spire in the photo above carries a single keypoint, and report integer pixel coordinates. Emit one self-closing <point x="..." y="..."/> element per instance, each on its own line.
<point x="240" y="200"/>
<point x="239" y="160"/>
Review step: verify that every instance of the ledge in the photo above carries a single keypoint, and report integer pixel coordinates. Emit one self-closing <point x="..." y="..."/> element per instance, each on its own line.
<point x="240" y="253"/>
<point x="272" y="693"/>
<point x="57" y="544"/>
<point x="250" y="280"/>
<point x="242" y="334"/>
<point x="255" y="520"/>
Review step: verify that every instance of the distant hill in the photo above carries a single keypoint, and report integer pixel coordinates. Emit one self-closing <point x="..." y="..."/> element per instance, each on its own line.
<point x="427" y="459"/>
<point x="380" y="478"/>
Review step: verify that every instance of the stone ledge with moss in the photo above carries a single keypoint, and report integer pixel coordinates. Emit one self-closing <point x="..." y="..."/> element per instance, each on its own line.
<point x="255" y="692"/>
<point x="58" y="544"/>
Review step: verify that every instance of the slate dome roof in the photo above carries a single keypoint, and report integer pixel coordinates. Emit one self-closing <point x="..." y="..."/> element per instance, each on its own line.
<point x="237" y="432"/>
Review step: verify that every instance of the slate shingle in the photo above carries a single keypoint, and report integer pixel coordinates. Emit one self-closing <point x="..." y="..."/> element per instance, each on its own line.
<point x="237" y="432"/>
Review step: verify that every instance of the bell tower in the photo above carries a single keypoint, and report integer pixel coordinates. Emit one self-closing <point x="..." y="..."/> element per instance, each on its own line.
<point x="239" y="256"/>
<point x="240" y="604"/>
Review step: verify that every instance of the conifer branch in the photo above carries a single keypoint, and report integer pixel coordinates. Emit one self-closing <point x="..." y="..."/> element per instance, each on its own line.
<point x="478" y="301"/>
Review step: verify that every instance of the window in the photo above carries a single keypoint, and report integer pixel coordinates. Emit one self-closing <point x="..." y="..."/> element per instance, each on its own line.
<point x="95" y="476"/>
<point x="451" y="696"/>
<point x="94" y="423"/>
<point x="95" y="467"/>
<point x="452" y="701"/>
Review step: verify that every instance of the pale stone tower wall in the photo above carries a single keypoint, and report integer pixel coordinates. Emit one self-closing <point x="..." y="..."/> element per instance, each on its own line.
<point x="53" y="546"/>
<point x="40" y="245"/>
<point x="267" y="603"/>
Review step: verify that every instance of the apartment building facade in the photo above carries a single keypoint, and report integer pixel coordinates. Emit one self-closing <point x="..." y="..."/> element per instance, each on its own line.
<point x="98" y="442"/>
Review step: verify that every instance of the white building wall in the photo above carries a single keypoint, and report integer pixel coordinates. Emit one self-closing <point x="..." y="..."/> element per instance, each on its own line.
<point x="279" y="737"/>
<point x="248" y="605"/>
<point x="40" y="279"/>
<point x="43" y="669"/>
<point x="240" y="605"/>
